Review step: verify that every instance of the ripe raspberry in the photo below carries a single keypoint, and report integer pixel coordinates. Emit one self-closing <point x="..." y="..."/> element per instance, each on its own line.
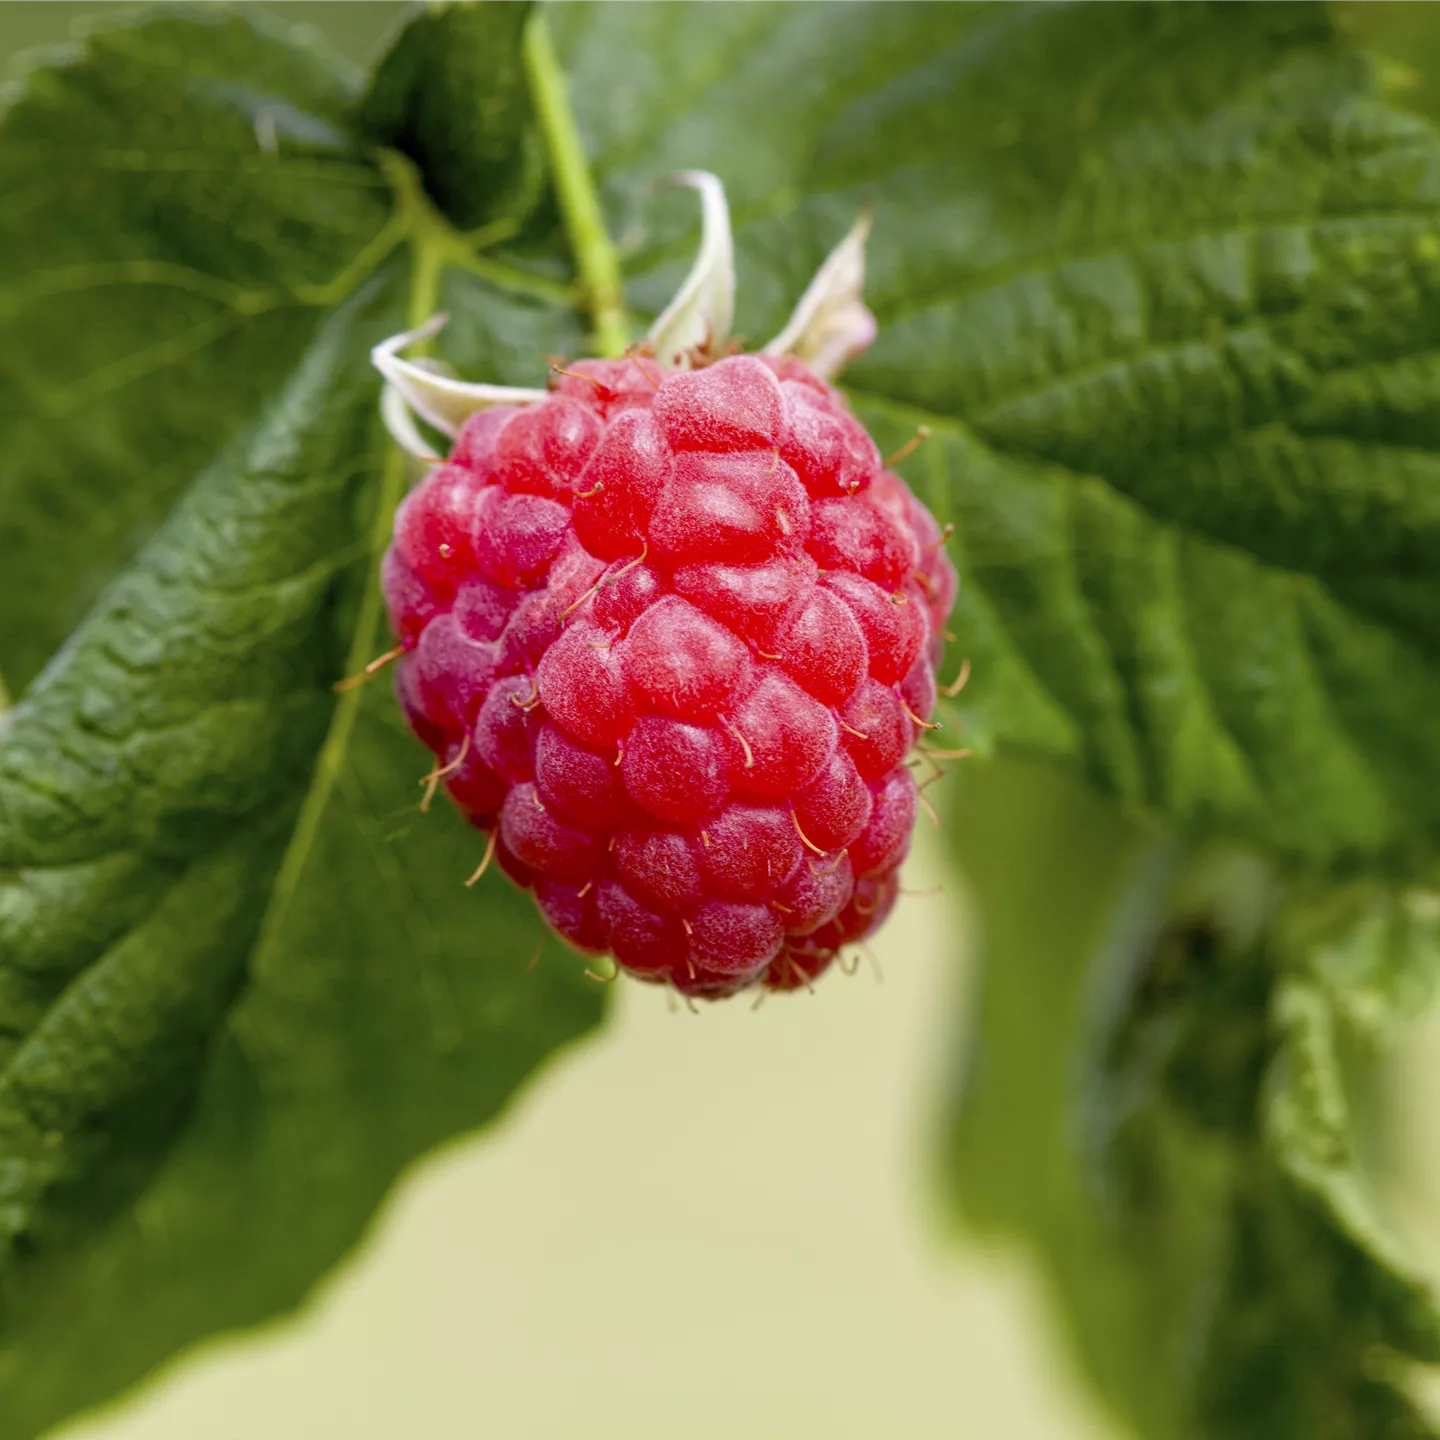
<point x="670" y="628"/>
<point x="669" y="634"/>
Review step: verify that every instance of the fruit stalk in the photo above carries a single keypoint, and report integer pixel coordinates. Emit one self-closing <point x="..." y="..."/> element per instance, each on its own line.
<point x="595" y="256"/>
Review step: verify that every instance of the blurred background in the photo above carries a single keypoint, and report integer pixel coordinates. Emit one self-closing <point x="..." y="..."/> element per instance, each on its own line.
<point x="703" y="1225"/>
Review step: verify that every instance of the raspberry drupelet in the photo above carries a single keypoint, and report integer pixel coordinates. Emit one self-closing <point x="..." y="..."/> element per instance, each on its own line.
<point x="671" y="634"/>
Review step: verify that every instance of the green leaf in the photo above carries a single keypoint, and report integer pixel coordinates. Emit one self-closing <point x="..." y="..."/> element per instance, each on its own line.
<point x="1162" y="280"/>
<point x="1172" y="1132"/>
<point x="451" y="94"/>
<point x="183" y="200"/>
<point x="1049" y="865"/>
<point x="1164" y="283"/>
<point x="242" y="985"/>
<point x="209" y="1085"/>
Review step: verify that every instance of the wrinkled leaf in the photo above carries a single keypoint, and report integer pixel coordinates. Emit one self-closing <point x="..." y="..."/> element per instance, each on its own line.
<point x="452" y="95"/>
<point x="1161" y="280"/>
<point x="297" y="1037"/>
<point x="242" y="984"/>
<point x="183" y="200"/>
<point x="1164" y="283"/>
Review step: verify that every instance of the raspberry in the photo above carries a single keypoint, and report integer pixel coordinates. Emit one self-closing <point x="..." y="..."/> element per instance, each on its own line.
<point x="669" y="634"/>
<point x="670" y="628"/>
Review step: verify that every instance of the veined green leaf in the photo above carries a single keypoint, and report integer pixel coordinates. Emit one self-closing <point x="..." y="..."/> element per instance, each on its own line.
<point x="1164" y="283"/>
<point x="242" y="985"/>
<point x="452" y="95"/>
<point x="183" y="201"/>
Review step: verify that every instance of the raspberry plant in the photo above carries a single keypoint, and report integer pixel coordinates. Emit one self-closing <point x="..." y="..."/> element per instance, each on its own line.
<point x="1162" y="284"/>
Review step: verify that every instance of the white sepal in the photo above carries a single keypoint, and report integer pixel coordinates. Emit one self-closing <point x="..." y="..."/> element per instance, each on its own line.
<point x="699" y="316"/>
<point x="439" y="398"/>
<point x="832" y="324"/>
<point x="399" y="420"/>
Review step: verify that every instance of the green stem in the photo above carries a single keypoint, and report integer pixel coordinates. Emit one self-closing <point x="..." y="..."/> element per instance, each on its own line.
<point x="595" y="255"/>
<point x="428" y="249"/>
<point x="440" y="246"/>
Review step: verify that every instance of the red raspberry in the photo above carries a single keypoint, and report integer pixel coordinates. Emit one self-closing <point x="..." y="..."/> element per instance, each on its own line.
<point x="670" y="635"/>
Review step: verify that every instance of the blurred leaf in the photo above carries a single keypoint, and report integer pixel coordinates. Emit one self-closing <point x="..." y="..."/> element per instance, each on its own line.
<point x="1164" y="281"/>
<point x="1374" y="951"/>
<point x="452" y="95"/>
<point x="1050" y="865"/>
<point x="1171" y="1131"/>
<point x="1406" y="38"/>
<point x="241" y="983"/>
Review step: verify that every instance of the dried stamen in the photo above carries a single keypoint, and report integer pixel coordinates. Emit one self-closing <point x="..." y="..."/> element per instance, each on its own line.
<point x="951" y="690"/>
<point x="531" y="700"/>
<point x="633" y="354"/>
<point x="600" y="385"/>
<point x="926" y="784"/>
<point x="805" y="840"/>
<point x="744" y="744"/>
<point x="923" y="724"/>
<point x="433" y="779"/>
<point x="484" y="864"/>
<point x="921" y="435"/>
<point x="378" y="663"/>
<point x="874" y="960"/>
<point x="638" y="560"/>
<point x="576" y="604"/>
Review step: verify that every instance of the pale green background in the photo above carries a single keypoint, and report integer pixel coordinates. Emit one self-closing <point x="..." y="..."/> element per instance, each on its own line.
<point x="700" y="1227"/>
<point x="697" y="1227"/>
